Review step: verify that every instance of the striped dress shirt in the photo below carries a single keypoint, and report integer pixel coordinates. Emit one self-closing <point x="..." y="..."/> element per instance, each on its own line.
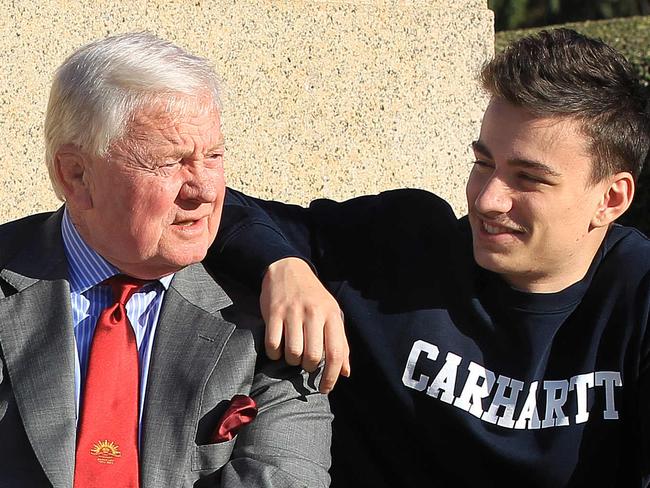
<point x="87" y="270"/>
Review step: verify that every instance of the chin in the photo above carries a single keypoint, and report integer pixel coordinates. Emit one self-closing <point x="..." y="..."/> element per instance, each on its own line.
<point x="492" y="261"/>
<point x="190" y="258"/>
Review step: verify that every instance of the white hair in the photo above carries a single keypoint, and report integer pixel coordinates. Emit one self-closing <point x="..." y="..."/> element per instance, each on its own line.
<point x="98" y="88"/>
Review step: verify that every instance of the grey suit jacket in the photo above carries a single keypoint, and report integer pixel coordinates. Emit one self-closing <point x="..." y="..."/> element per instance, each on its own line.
<point x="206" y="350"/>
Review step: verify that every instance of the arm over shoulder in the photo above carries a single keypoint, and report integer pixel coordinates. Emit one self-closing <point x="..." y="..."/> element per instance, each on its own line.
<point x="339" y="238"/>
<point x="359" y="239"/>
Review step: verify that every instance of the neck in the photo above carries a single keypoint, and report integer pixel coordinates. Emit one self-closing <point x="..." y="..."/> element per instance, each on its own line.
<point x="571" y="270"/>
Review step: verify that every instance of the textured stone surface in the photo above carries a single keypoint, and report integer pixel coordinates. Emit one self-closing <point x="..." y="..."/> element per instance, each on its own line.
<point x="331" y="99"/>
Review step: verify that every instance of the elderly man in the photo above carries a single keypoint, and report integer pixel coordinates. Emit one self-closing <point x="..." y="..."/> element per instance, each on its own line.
<point x="125" y="364"/>
<point x="510" y="347"/>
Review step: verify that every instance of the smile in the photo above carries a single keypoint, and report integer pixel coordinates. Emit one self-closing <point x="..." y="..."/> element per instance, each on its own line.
<point x="494" y="229"/>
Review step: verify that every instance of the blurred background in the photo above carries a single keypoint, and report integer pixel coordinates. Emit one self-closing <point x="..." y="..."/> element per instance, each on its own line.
<point x="517" y="14"/>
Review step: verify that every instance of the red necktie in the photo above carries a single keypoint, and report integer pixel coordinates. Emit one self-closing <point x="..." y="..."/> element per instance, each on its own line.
<point x="107" y="441"/>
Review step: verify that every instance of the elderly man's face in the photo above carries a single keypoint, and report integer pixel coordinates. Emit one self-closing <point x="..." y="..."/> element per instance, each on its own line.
<point x="157" y="197"/>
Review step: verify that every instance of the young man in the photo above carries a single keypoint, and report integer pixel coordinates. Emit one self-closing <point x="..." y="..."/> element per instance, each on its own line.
<point x="509" y="347"/>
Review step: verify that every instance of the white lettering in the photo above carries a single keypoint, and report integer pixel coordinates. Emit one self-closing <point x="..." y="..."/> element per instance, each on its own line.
<point x="478" y="386"/>
<point x="609" y="379"/>
<point x="528" y="418"/>
<point x="502" y="400"/>
<point x="581" y="383"/>
<point x="409" y="371"/>
<point x="445" y="380"/>
<point x="554" y="416"/>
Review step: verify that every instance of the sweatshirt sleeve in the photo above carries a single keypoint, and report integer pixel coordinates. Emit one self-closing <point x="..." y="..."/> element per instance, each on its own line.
<point x="357" y="238"/>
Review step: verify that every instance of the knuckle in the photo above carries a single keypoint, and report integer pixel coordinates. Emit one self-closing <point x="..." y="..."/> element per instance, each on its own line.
<point x="272" y="341"/>
<point x="278" y="310"/>
<point x="312" y="356"/>
<point x="311" y="311"/>
<point x="293" y="351"/>
<point x="272" y="344"/>
<point x="325" y="384"/>
<point x="334" y="354"/>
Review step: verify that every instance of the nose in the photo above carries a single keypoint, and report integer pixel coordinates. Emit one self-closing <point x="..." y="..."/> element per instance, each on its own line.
<point x="494" y="197"/>
<point x="201" y="184"/>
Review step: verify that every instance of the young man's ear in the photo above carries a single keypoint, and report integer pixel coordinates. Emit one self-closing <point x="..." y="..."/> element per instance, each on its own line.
<point x="616" y="199"/>
<point x="71" y="165"/>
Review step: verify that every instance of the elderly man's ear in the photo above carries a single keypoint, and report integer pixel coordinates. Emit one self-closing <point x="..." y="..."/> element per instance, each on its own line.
<point x="72" y="168"/>
<point x="615" y="200"/>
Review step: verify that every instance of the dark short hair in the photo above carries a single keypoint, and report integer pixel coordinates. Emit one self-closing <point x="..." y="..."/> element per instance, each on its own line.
<point x="565" y="74"/>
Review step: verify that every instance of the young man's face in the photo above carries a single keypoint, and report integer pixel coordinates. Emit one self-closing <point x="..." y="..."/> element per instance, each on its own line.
<point x="530" y="199"/>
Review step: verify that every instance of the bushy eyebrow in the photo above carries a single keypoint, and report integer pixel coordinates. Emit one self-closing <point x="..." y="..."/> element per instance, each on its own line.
<point x="217" y="147"/>
<point x="538" y="166"/>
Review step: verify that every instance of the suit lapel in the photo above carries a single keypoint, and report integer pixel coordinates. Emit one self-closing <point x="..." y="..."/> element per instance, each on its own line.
<point x="37" y="341"/>
<point x="189" y="339"/>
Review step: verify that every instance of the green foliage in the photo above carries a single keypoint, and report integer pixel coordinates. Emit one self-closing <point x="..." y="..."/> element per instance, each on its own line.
<point x="510" y="14"/>
<point x="630" y="36"/>
<point x="517" y="14"/>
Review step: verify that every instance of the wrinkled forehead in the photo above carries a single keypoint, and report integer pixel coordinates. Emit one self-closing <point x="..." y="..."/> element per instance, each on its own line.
<point x="174" y="118"/>
<point x="174" y="108"/>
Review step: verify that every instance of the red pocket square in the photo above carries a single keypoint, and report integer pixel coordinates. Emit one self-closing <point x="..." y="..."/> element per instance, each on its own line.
<point x="241" y="411"/>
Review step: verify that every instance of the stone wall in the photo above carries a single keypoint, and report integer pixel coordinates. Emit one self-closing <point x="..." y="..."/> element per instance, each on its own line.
<point x="322" y="99"/>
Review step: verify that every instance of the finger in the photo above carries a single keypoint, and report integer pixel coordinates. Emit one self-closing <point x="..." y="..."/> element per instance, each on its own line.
<point x="346" y="369"/>
<point x="329" y="377"/>
<point x="313" y="352"/>
<point x="273" y="337"/>
<point x="293" y="339"/>
<point x="335" y="354"/>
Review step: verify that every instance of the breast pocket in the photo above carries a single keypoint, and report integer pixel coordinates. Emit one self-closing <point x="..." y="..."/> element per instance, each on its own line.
<point x="212" y="456"/>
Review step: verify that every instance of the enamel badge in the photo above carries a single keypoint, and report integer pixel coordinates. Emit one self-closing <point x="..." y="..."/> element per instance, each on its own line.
<point x="105" y="451"/>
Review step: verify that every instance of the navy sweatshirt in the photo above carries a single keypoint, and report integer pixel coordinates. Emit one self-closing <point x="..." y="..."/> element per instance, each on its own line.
<point x="458" y="379"/>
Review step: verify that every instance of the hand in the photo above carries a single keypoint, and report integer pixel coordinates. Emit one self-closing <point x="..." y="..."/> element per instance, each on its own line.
<point x="297" y="308"/>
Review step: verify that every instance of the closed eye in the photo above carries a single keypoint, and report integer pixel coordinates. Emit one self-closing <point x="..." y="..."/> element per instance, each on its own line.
<point x="214" y="160"/>
<point x="532" y="178"/>
<point x="482" y="164"/>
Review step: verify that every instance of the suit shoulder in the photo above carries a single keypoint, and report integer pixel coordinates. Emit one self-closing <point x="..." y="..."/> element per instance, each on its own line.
<point x="23" y="225"/>
<point x="14" y="234"/>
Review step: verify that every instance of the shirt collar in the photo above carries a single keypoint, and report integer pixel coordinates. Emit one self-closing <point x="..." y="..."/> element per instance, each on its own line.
<point x="87" y="268"/>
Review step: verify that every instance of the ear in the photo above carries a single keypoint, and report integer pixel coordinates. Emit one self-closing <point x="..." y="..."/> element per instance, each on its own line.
<point x="617" y="197"/>
<point x="71" y="167"/>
